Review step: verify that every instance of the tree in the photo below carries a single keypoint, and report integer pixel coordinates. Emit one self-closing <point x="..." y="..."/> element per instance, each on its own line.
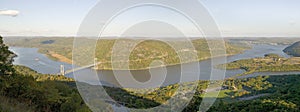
<point x="272" y="55"/>
<point x="6" y="59"/>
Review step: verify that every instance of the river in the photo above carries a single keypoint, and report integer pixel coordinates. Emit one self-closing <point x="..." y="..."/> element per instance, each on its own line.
<point x="147" y="78"/>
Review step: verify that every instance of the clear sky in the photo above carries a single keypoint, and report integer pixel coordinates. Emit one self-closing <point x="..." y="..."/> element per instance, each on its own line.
<point x="279" y="18"/>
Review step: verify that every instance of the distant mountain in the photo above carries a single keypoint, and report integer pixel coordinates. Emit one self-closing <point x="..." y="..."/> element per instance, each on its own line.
<point x="293" y="50"/>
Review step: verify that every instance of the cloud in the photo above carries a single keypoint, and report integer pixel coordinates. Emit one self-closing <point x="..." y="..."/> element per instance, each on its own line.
<point x="12" y="13"/>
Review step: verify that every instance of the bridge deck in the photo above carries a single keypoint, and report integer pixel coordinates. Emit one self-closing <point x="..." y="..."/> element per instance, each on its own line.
<point x="80" y="68"/>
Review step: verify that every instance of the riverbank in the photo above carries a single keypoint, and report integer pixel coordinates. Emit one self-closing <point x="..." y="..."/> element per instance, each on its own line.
<point x="58" y="57"/>
<point x="141" y="57"/>
<point x="148" y="100"/>
<point x="268" y="63"/>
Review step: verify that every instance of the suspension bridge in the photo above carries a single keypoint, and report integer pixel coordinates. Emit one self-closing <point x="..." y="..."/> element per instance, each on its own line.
<point x="63" y="71"/>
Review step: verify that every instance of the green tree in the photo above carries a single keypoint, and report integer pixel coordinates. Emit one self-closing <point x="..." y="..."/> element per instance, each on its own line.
<point x="6" y="59"/>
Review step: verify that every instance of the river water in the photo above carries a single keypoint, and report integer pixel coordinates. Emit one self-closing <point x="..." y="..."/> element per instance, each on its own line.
<point x="39" y="62"/>
<point x="148" y="78"/>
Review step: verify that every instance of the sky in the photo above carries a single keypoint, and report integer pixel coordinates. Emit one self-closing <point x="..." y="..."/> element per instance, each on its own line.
<point x="235" y="18"/>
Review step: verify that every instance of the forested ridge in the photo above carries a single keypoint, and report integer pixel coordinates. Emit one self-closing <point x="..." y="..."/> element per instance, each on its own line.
<point x="293" y="49"/>
<point x="140" y="57"/>
<point x="22" y="89"/>
<point x="268" y="63"/>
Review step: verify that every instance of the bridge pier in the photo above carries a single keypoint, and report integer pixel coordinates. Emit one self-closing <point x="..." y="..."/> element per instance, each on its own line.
<point x="62" y="70"/>
<point x="96" y="63"/>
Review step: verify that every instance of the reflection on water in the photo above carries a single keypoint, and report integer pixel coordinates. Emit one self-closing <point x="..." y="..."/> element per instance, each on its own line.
<point x="148" y="78"/>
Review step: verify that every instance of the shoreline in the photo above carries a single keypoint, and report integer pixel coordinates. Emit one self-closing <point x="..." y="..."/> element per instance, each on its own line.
<point x="62" y="58"/>
<point x="59" y="57"/>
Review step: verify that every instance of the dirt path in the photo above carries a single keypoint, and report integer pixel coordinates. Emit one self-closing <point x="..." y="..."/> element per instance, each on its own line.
<point x="253" y="97"/>
<point x="212" y="89"/>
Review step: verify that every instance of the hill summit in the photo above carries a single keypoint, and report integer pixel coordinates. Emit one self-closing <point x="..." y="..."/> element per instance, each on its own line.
<point x="293" y="50"/>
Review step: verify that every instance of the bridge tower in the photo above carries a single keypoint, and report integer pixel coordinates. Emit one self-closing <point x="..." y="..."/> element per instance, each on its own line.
<point x="62" y="70"/>
<point x="96" y="63"/>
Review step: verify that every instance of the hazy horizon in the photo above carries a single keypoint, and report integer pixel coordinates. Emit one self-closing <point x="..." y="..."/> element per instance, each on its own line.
<point x="235" y="18"/>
